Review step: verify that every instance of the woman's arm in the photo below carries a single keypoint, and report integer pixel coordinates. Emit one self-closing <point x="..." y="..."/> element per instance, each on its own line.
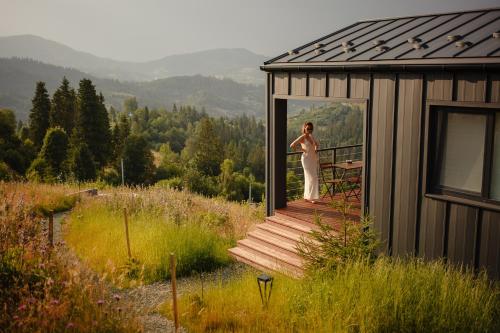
<point x="297" y="141"/>
<point x="316" y="143"/>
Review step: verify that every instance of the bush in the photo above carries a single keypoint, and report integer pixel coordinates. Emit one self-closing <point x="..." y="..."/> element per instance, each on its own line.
<point x="175" y="183"/>
<point x="327" y="249"/>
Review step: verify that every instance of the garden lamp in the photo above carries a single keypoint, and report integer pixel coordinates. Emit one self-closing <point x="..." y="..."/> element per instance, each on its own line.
<point x="265" y="296"/>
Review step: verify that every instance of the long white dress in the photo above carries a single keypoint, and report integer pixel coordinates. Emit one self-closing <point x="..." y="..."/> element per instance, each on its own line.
<point x="309" y="161"/>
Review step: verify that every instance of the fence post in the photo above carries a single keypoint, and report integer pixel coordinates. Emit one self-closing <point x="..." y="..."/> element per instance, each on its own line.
<point x="126" y="232"/>
<point x="174" y="291"/>
<point x="51" y="228"/>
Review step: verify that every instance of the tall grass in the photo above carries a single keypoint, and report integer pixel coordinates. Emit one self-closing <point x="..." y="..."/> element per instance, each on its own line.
<point x="198" y="230"/>
<point x="389" y="296"/>
<point x="43" y="289"/>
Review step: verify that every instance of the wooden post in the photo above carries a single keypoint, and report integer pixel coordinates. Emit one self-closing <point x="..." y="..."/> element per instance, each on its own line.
<point x="174" y="291"/>
<point x="51" y="229"/>
<point x="126" y="232"/>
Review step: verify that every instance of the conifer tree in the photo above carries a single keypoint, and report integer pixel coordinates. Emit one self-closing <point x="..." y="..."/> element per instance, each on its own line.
<point x="39" y="115"/>
<point x="92" y="123"/>
<point x="81" y="163"/>
<point x="63" y="109"/>
<point x="55" y="151"/>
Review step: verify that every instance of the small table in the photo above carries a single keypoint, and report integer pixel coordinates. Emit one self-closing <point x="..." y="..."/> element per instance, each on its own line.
<point x="357" y="166"/>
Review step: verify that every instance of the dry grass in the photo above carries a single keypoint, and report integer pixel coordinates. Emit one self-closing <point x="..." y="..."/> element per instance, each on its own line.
<point x="197" y="229"/>
<point x="43" y="289"/>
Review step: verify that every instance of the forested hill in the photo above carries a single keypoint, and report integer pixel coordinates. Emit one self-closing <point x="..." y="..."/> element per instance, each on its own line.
<point x="238" y="64"/>
<point x="217" y="96"/>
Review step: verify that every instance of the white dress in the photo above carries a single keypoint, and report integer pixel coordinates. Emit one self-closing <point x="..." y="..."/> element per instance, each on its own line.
<point x="309" y="161"/>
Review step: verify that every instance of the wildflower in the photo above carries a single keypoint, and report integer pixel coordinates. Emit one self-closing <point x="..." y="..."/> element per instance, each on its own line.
<point x="116" y="297"/>
<point x="119" y="309"/>
<point x="100" y="302"/>
<point x="55" y="302"/>
<point x="16" y="317"/>
<point x="70" y="325"/>
<point x="22" y="307"/>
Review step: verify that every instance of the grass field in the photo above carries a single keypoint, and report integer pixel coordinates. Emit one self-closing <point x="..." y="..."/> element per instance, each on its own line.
<point x="390" y="296"/>
<point x="198" y="230"/>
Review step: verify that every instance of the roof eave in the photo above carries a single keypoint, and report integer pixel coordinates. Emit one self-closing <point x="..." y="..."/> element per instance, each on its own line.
<point x="444" y="63"/>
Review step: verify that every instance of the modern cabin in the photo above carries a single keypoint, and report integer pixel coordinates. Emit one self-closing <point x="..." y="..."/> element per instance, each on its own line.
<point x="430" y="156"/>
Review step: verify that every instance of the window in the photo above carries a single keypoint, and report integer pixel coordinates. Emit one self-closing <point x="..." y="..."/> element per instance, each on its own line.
<point x="464" y="151"/>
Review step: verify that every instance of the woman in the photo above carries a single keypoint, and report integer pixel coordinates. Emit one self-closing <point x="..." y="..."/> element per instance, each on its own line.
<point x="309" y="160"/>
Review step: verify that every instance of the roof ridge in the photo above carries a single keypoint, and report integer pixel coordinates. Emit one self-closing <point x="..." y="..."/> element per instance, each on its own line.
<point x="431" y="14"/>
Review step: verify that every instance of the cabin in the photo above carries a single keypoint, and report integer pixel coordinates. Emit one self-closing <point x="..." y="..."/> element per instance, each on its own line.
<point x="430" y="157"/>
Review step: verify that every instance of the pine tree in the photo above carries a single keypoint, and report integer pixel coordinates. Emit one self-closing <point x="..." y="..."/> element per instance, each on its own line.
<point x="138" y="161"/>
<point x="63" y="110"/>
<point x="82" y="163"/>
<point x="55" y="151"/>
<point x="92" y="123"/>
<point x="39" y="115"/>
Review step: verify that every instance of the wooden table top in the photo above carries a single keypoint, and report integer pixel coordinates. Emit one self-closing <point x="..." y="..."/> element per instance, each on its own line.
<point x="349" y="166"/>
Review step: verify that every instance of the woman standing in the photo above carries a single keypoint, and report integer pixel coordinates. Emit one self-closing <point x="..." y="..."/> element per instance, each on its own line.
<point x="309" y="159"/>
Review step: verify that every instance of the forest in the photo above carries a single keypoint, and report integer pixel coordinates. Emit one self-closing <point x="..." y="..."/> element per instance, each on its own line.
<point x="73" y="136"/>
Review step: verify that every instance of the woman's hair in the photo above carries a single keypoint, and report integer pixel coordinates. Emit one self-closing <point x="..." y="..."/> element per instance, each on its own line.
<point x="306" y="125"/>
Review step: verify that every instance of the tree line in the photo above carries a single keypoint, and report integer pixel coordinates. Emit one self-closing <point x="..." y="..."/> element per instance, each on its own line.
<point x="74" y="137"/>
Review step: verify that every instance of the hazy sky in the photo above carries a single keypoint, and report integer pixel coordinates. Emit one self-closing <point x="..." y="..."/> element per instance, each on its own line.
<point x="149" y="29"/>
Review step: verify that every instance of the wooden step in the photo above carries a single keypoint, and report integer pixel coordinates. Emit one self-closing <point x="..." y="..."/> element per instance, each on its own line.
<point x="269" y="239"/>
<point x="292" y="224"/>
<point x="270" y="253"/>
<point x="282" y="232"/>
<point x="261" y="262"/>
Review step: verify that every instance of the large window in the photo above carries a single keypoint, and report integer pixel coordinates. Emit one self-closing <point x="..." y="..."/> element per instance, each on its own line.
<point x="464" y="146"/>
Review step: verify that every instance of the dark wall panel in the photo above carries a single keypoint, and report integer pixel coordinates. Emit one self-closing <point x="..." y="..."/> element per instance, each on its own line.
<point x="360" y="85"/>
<point x="489" y="251"/>
<point x="299" y="84"/>
<point x="432" y="228"/>
<point x="337" y="85"/>
<point x="317" y="85"/>
<point x="470" y="87"/>
<point x="281" y="83"/>
<point x="495" y="88"/>
<point x="462" y="234"/>
<point x="381" y="153"/>
<point x="407" y="163"/>
<point x="440" y="86"/>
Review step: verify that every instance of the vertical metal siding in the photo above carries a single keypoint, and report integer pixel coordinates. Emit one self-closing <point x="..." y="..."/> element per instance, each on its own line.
<point x="432" y="228"/>
<point x="381" y="153"/>
<point x="461" y="234"/>
<point x="337" y="85"/>
<point x="299" y="84"/>
<point x="317" y="85"/>
<point x="406" y="163"/>
<point x="495" y="89"/>
<point x="489" y="256"/>
<point x="440" y="86"/>
<point x="471" y="87"/>
<point x="359" y="85"/>
<point x="281" y="83"/>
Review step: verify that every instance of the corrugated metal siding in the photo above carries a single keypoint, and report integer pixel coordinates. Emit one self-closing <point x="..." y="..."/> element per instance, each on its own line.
<point x="406" y="163"/>
<point x="461" y="239"/>
<point x="317" y="85"/>
<point x="281" y="83"/>
<point x="381" y="153"/>
<point x="440" y="86"/>
<point x="360" y="86"/>
<point x="432" y="229"/>
<point x="337" y="85"/>
<point x="299" y="84"/>
<point x="489" y="255"/>
<point x="495" y="88"/>
<point x="471" y="87"/>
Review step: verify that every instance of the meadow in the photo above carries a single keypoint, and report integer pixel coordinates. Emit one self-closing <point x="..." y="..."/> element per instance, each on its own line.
<point x="198" y="230"/>
<point x="388" y="296"/>
<point x="44" y="289"/>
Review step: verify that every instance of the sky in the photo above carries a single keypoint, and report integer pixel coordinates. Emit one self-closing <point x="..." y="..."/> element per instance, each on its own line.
<point x="141" y="30"/>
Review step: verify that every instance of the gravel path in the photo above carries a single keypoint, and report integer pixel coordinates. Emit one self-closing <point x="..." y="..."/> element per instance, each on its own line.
<point x="147" y="299"/>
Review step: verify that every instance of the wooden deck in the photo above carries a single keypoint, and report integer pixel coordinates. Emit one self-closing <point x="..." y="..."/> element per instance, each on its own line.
<point x="305" y="211"/>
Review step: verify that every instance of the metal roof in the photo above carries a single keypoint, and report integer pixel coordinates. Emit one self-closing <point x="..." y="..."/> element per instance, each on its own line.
<point x="458" y="37"/>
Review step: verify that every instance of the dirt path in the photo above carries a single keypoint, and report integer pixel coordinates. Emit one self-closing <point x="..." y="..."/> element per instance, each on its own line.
<point x="147" y="299"/>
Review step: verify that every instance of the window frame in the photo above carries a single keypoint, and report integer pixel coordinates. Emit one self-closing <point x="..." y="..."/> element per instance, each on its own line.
<point x="434" y="152"/>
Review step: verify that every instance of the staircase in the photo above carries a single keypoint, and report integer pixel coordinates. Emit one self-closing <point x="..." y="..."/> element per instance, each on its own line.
<point x="272" y="245"/>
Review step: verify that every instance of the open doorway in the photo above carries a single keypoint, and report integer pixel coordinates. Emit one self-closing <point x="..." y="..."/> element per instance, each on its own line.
<point x="339" y="129"/>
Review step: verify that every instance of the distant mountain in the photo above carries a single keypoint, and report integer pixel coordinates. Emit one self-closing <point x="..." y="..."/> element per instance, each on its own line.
<point x="240" y="65"/>
<point x="218" y="96"/>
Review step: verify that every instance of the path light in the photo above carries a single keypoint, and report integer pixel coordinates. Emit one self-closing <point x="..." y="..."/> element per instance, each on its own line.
<point x="265" y="296"/>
